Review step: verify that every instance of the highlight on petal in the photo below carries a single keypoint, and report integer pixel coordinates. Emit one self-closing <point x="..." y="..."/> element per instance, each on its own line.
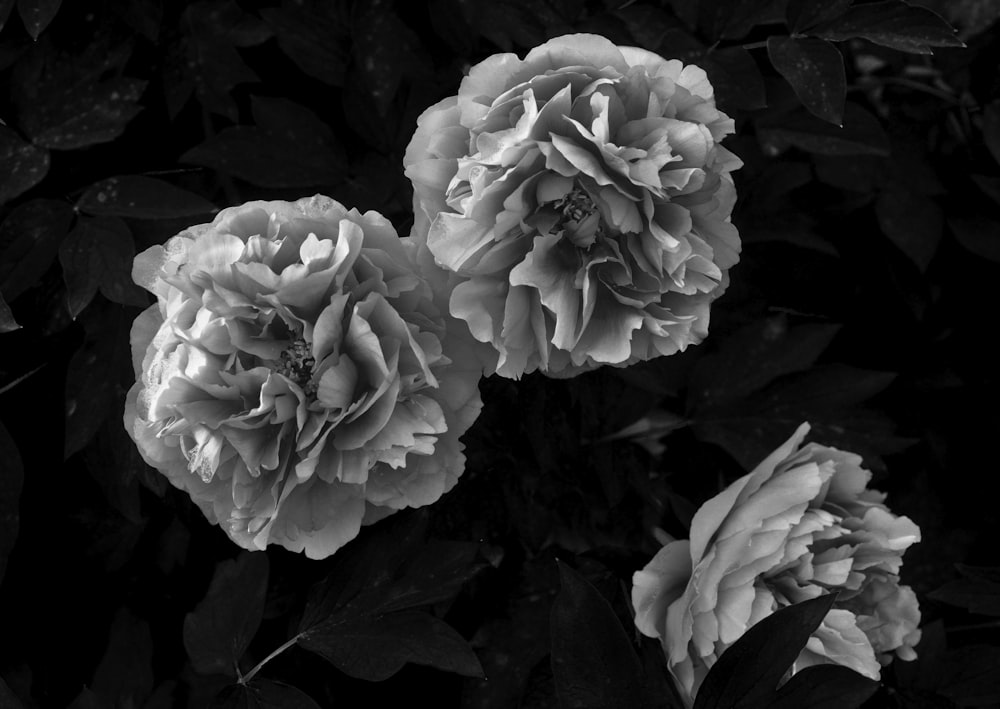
<point x="592" y="175"/>
<point x="800" y="525"/>
<point x="293" y="377"/>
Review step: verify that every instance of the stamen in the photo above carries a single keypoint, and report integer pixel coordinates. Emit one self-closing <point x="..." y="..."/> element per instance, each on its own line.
<point x="581" y="220"/>
<point x="296" y="364"/>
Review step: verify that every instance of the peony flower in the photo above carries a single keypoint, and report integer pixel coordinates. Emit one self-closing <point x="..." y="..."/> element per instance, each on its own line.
<point x="802" y="524"/>
<point x="294" y="377"/>
<point x="581" y="199"/>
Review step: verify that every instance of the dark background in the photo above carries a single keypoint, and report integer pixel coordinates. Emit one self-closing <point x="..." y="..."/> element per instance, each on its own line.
<point x="865" y="302"/>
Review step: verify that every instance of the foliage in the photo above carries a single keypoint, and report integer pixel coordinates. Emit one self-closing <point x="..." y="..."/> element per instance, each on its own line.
<point x="868" y="209"/>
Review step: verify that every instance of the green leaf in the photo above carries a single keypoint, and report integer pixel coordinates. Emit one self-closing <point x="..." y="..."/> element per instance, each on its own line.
<point x="37" y="14"/>
<point x="894" y="24"/>
<point x="289" y="147"/>
<point x="800" y="15"/>
<point x="142" y="197"/>
<point x="262" y="694"/>
<point x="7" y="321"/>
<point x="748" y="672"/>
<point x="11" y="482"/>
<point x="219" y="630"/>
<point x="914" y="223"/>
<point x="861" y="134"/>
<point x="22" y="165"/>
<point x="815" y="69"/>
<point x="593" y="661"/>
<point x="376" y="647"/>
<point x="825" y="687"/>
<point x="29" y="242"/>
<point x="98" y="254"/>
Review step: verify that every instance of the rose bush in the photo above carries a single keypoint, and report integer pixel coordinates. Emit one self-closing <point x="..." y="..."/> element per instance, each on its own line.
<point x="802" y="524"/>
<point x="581" y="200"/>
<point x="294" y="376"/>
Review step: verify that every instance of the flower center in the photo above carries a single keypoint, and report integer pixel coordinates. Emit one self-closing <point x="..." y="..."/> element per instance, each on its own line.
<point x="580" y="220"/>
<point x="296" y="363"/>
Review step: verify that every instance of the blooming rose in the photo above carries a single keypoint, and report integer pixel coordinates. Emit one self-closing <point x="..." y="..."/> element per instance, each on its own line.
<point x="294" y="376"/>
<point x="802" y="524"/>
<point x="581" y="199"/>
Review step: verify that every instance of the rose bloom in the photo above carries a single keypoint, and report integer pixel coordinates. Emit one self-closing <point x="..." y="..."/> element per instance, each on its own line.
<point x="801" y="525"/>
<point x="294" y="376"/>
<point x="582" y="201"/>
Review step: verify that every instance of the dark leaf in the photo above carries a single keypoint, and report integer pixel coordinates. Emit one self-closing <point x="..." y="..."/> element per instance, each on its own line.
<point x="94" y="379"/>
<point x="387" y="51"/>
<point x="376" y="647"/>
<point x="29" y="241"/>
<point x="914" y="223"/>
<point x="11" y="481"/>
<point x="68" y="102"/>
<point x="313" y="37"/>
<point x="736" y="78"/>
<point x="748" y="672"/>
<point x="803" y="14"/>
<point x="8" y="700"/>
<point x="978" y="591"/>
<point x="824" y="687"/>
<point x="753" y="357"/>
<point x="262" y="694"/>
<point x="991" y="129"/>
<point x="124" y="676"/>
<point x="989" y="185"/>
<point x="437" y="573"/>
<point x="815" y="69"/>
<point x="87" y="699"/>
<point x="218" y="631"/>
<point x="37" y="14"/>
<point x="22" y="165"/>
<point x="141" y="197"/>
<point x="7" y="321"/>
<point x="861" y="134"/>
<point x="144" y="16"/>
<point x="98" y="254"/>
<point x="971" y="676"/>
<point x="733" y="19"/>
<point x="979" y="235"/>
<point x="891" y="23"/>
<point x="5" y="7"/>
<point x="593" y="661"/>
<point x="289" y="147"/>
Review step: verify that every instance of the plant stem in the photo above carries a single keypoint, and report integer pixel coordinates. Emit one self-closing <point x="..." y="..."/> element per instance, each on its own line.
<point x="245" y="679"/>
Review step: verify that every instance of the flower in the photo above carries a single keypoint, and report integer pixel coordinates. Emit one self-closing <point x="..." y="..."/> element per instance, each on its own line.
<point x="802" y="524"/>
<point x="582" y="201"/>
<point x="294" y="377"/>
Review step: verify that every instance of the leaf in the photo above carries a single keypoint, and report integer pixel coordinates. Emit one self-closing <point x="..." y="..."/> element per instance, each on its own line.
<point x="313" y="37"/>
<point x="375" y="648"/>
<point x="219" y="630"/>
<point x="5" y="7"/>
<point x="891" y="23"/>
<point x="991" y="129"/>
<point x="861" y="134"/>
<point x="387" y="51"/>
<point x="66" y="102"/>
<point x="977" y="592"/>
<point x="748" y="672"/>
<point x="825" y="687"/>
<point x="593" y="661"/>
<point x="142" y="197"/>
<point x="11" y="482"/>
<point x="753" y="357"/>
<point x="124" y="676"/>
<point x="802" y="14"/>
<point x="87" y="699"/>
<point x="29" y="241"/>
<point x="970" y="675"/>
<point x="98" y="254"/>
<point x="736" y="78"/>
<point x="289" y="147"/>
<point x="37" y="14"/>
<point x="815" y="69"/>
<point x="8" y="700"/>
<point x="7" y="321"/>
<point x="94" y="377"/>
<point x="914" y="223"/>
<point x="22" y="165"/>
<point x="262" y="694"/>
<point x="144" y="16"/>
<point x="979" y="235"/>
